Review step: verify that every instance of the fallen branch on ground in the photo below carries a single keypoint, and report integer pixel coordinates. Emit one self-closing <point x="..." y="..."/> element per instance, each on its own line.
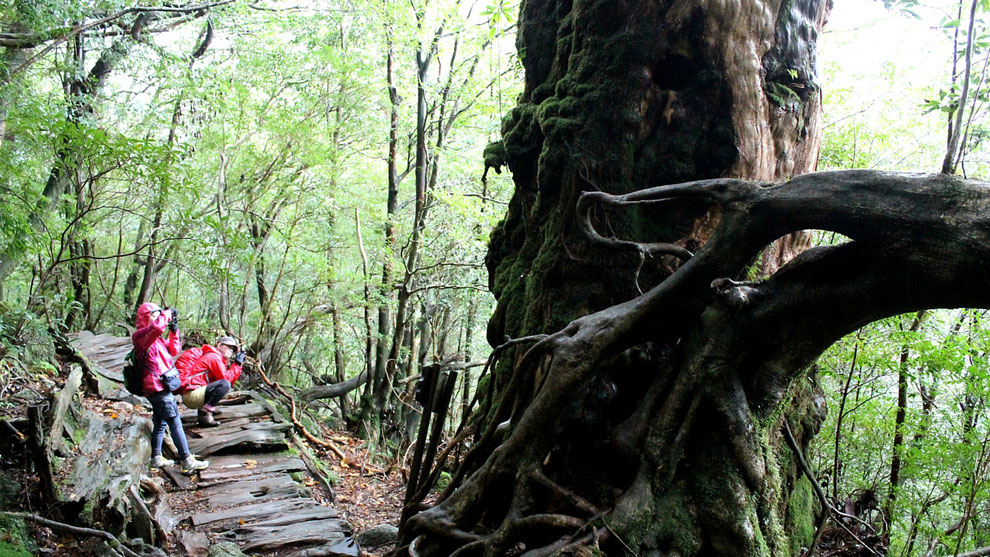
<point x="292" y="413"/>
<point x="81" y="531"/>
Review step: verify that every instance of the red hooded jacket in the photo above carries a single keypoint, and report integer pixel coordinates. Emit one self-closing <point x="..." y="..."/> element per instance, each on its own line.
<point x="200" y="366"/>
<point x="148" y="341"/>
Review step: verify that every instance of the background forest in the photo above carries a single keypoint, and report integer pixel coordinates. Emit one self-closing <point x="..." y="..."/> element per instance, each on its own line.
<point x="310" y="178"/>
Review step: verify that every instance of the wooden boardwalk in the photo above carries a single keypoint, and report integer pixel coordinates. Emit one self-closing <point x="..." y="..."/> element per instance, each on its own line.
<point x="262" y="491"/>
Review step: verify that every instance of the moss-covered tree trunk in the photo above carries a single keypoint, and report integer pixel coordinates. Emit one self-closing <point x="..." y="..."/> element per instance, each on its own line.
<point x="641" y="431"/>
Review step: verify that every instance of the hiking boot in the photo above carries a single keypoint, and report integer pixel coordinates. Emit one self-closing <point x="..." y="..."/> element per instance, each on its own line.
<point x="205" y="419"/>
<point x="159" y="461"/>
<point x="216" y="411"/>
<point x="191" y="464"/>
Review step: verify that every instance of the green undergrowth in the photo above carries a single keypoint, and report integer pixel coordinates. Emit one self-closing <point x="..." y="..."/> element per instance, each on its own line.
<point x="15" y="538"/>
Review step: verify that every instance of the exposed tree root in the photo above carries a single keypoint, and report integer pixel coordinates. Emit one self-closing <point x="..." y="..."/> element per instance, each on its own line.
<point x="115" y="544"/>
<point x="292" y="414"/>
<point x="739" y="346"/>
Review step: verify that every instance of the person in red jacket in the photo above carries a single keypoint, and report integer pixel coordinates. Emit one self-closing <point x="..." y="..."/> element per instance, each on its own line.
<point x="206" y="376"/>
<point x="152" y="321"/>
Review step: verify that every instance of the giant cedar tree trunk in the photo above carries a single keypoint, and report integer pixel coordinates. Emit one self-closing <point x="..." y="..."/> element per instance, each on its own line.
<point x="655" y="439"/>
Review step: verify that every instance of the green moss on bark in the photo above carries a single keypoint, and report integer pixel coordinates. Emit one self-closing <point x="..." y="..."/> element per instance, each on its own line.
<point x="801" y="509"/>
<point x="619" y="103"/>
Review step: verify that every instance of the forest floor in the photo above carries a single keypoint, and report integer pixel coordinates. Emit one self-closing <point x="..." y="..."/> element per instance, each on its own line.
<point x="365" y="494"/>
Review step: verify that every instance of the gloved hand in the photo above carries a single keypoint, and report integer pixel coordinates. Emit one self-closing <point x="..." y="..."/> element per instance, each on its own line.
<point x="239" y="358"/>
<point x="173" y="325"/>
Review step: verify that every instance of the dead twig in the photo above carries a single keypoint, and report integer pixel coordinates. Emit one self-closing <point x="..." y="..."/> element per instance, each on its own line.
<point x="827" y="508"/>
<point x="292" y="413"/>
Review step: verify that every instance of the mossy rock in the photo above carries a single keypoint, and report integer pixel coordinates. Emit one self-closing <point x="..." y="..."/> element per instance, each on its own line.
<point x="225" y="549"/>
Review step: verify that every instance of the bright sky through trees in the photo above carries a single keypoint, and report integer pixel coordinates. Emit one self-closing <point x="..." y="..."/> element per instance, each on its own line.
<point x="878" y="68"/>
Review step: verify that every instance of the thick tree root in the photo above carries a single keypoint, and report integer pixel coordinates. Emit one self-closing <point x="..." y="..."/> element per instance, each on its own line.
<point x="114" y="543"/>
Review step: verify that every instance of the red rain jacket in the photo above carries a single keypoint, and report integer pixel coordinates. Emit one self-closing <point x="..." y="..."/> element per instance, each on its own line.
<point x="200" y="366"/>
<point x="148" y="341"/>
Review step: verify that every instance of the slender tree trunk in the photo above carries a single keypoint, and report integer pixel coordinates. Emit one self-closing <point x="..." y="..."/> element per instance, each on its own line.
<point x="898" y="448"/>
<point x="385" y="387"/>
<point x="391" y="209"/>
<point x="369" y="364"/>
<point x="953" y="152"/>
<point x="149" y="272"/>
<point x="11" y="58"/>
<point x="93" y="321"/>
<point x="338" y="348"/>
<point x="836" y="457"/>
<point x="79" y="276"/>
<point x="466" y="374"/>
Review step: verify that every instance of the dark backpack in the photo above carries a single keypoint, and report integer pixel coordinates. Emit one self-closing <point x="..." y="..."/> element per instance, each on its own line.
<point x="133" y="374"/>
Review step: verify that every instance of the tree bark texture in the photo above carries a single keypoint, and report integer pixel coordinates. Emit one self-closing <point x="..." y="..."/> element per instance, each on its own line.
<point x="649" y="422"/>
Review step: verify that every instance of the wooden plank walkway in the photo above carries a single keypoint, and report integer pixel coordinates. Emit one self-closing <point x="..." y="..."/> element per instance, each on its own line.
<point x="258" y="492"/>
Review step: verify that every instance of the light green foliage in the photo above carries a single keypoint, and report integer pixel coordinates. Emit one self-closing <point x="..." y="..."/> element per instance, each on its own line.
<point x="892" y="114"/>
<point x="944" y="459"/>
<point x="259" y="159"/>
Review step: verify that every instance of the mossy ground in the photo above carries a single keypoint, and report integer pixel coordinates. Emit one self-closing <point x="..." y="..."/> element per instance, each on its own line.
<point x="15" y="538"/>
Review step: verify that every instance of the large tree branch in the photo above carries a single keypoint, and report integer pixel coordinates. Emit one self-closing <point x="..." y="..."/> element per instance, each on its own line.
<point x="919" y="241"/>
<point x="31" y="39"/>
<point x="335" y="390"/>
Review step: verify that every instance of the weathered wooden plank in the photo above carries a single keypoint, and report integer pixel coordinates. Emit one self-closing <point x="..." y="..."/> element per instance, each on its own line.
<point x="105" y="353"/>
<point x="220" y="471"/>
<point x="270" y="438"/>
<point x="233" y="411"/>
<point x="180" y="480"/>
<point x="86" y="339"/>
<point x="248" y="484"/>
<point x="226" y="425"/>
<point x="104" y="349"/>
<point x="114" y="374"/>
<point x="232" y="425"/>
<point x="253" y="491"/>
<point x="114" y="356"/>
<point x="234" y="460"/>
<point x="270" y="426"/>
<point x="265" y="510"/>
<point x="273" y="538"/>
<point x="316" y="513"/>
<point x="344" y="548"/>
<point x="237" y="498"/>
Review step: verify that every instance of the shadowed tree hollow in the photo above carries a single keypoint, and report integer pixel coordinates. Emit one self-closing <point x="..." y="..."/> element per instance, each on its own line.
<point x="656" y="341"/>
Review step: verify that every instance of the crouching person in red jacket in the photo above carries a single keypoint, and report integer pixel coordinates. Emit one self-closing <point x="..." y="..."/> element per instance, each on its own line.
<point x="207" y="374"/>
